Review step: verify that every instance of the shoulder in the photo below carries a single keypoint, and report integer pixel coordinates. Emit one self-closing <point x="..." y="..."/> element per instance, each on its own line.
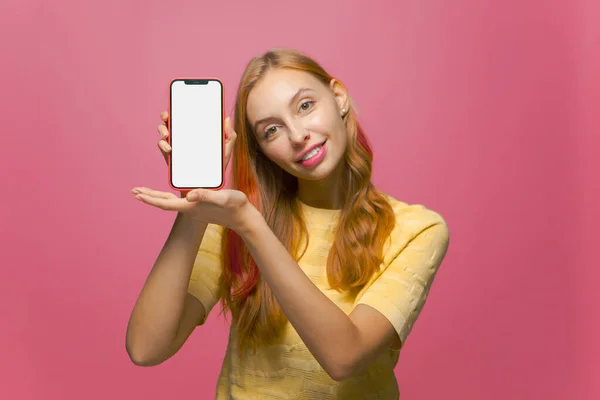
<point x="411" y="221"/>
<point x="415" y="216"/>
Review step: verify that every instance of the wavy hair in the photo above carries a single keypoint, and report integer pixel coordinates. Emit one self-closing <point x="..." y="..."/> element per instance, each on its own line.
<point x="365" y="223"/>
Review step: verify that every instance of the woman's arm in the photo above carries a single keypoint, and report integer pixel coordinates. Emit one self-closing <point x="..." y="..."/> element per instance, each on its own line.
<point x="165" y="314"/>
<point x="338" y="344"/>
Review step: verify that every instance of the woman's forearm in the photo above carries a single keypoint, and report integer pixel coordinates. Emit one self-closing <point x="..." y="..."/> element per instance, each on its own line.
<point x="325" y="329"/>
<point x="155" y="317"/>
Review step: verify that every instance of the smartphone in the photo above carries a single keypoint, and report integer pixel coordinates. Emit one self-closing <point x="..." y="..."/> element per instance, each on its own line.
<point x="196" y="117"/>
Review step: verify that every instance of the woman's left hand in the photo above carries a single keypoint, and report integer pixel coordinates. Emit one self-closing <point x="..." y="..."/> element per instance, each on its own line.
<point x="226" y="207"/>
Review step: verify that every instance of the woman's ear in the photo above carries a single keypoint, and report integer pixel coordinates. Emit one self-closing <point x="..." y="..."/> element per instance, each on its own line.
<point x="340" y="94"/>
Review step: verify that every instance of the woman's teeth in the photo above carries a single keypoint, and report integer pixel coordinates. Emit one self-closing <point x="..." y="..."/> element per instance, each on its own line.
<point x="311" y="154"/>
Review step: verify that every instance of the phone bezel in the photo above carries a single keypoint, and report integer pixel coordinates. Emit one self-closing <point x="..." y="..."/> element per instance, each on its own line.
<point x="198" y="80"/>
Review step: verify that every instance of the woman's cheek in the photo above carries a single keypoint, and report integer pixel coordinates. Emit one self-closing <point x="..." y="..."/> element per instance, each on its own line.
<point x="278" y="153"/>
<point x="315" y="123"/>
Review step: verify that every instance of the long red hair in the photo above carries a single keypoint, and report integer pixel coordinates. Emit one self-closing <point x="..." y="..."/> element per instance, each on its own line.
<point x="366" y="219"/>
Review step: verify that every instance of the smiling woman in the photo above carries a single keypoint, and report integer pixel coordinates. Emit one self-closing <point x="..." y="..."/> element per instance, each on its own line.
<point x="323" y="274"/>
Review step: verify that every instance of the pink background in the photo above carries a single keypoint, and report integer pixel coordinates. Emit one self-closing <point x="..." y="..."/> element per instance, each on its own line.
<point x="483" y="111"/>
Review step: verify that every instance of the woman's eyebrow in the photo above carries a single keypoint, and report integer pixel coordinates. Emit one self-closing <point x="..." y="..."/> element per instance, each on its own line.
<point x="292" y="101"/>
<point x="298" y="93"/>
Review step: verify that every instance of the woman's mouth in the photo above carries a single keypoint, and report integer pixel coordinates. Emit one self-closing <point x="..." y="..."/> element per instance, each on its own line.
<point x="314" y="156"/>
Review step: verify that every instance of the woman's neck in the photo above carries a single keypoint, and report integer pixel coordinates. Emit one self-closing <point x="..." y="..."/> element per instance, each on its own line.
<point x="327" y="193"/>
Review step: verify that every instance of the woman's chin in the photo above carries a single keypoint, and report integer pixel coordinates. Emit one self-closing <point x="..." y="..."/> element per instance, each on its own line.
<point x="318" y="173"/>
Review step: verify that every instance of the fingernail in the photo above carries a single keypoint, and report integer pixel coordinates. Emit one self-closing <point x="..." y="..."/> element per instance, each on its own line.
<point x="135" y="191"/>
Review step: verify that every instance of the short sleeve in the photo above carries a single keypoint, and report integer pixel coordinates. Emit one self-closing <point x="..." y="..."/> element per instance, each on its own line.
<point x="399" y="293"/>
<point x="204" y="280"/>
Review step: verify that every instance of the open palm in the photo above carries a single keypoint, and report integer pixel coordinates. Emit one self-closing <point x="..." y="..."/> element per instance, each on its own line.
<point x="223" y="207"/>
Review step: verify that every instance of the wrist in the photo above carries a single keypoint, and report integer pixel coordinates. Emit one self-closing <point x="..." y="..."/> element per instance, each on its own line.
<point x="187" y="228"/>
<point x="249" y="219"/>
<point x="189" y="221"/>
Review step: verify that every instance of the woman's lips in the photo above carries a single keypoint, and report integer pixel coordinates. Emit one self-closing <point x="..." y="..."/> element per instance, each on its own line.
<point x="317" y="158"/>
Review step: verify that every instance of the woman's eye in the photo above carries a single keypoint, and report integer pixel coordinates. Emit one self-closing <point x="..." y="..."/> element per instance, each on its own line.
<point x="273" y="129"/>
<point x="270" y="130"/>
<point x="302" y="106"/>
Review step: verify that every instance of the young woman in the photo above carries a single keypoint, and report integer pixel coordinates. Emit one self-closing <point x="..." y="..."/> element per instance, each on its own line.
<point x="323" y="274"/>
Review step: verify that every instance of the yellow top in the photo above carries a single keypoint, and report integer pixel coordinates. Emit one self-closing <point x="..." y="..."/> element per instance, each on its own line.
<point x="288" y="370"/>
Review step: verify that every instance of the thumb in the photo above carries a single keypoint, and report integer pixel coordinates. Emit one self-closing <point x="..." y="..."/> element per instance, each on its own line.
<point x="198" y="195"/>
<point x="206" y="196"/>
<point x="230" y="134"/>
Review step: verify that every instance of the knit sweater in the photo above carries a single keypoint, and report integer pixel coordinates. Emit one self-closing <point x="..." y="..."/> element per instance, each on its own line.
<point x="287" y="369"/>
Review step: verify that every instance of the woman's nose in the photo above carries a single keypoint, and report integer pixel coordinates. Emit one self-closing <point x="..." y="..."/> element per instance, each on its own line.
<point x="299" y="135"/>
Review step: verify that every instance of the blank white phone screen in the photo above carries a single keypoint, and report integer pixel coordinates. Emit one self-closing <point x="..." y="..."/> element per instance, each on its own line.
<point x="196" y="134"/>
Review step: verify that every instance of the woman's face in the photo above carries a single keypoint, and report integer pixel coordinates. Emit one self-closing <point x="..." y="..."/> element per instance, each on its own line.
<point x="297" y="121"/>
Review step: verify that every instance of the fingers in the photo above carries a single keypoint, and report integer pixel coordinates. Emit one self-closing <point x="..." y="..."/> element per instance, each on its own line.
<point x="168" y="204"/>
<point x="165" y="149"/>
<point x="162" y="200"/>
<point x="164" y="116"/>
<point x="164" y="146"/>
<point x="163" y="131"/>
<point x="153" y="193"/>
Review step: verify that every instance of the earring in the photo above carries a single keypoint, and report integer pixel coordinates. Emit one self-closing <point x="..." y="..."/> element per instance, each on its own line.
<point x="343" y="111"/>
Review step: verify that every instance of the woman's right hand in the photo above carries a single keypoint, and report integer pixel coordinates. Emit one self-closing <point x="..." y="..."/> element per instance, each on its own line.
<point x="165" y="149"/>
